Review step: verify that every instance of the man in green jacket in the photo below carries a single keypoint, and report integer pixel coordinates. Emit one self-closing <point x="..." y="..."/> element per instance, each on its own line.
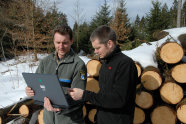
<point x="71" y="71"/>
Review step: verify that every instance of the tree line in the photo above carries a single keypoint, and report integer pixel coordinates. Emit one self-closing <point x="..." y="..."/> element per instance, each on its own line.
<point x="27" y="26"/>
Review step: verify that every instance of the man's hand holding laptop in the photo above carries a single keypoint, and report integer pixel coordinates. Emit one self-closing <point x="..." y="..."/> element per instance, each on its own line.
<point x="47" y="104"/>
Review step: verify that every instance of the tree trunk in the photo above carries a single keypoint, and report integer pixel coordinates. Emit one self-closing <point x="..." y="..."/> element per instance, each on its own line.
<point x="179" y="13"/>
<point x="3" y="52"/>
<point x="178" y="73"/>
<point x="151" y="78"/>
<point x="139" y="116"/>
<point x="171" y="92"/>
<point x="93" y="67"/>
<point x="163" y="115"/>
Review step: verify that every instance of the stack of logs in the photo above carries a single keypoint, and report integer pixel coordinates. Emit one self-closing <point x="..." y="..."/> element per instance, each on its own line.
<point x="89" y="110"/>
<point x="160" y="95"/>
<point x="19" y="113"/>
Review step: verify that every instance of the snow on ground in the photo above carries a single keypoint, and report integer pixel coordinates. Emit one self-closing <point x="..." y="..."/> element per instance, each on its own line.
<point x="12" y="84"/>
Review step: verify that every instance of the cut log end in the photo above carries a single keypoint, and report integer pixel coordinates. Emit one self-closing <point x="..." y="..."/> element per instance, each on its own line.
<point x="181" y="112"/>
<point x="163" y="115"/>
<point x="144" y="100"/>
<point x="92" y="114"/>
<point x="84" y="111"/>
<point x="93" y="67"/>
<point x="0" y="120"/>
<point x="24" y="110"/>
<point x="178" y="73"/>
<point x="171" y="93"/>
<point x="151" y="80"/>
<point x="171" y="52"/>
<point x="92" y="85"/>
<point x="40" y="117"/>
<point x="139" y="116"/>
<point x="139" y="68"/>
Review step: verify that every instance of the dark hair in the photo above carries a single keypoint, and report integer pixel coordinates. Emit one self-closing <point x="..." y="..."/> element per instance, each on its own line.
<point x="63" y="30"/>
<point x="103" y="34"/>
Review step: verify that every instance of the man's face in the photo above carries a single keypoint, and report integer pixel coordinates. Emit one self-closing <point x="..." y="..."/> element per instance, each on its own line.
<point x="101" y="50"/>
<point x="62" y="44"/>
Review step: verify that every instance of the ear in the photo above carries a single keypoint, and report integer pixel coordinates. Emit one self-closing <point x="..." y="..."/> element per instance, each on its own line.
<point x="110" y="43"/>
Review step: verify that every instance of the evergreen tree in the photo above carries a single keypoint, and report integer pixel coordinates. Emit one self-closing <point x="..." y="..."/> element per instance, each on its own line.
<point x="165" y="17"/>
<point x="157" y="19"/>
<point x="120" y="23"/>
<point x="173" y="13"/>
<point x="102" y="17"/>
<point x="84" y="34"/>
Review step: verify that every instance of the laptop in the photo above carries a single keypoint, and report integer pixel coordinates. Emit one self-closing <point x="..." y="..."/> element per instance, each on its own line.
<point x="48" y="85"/>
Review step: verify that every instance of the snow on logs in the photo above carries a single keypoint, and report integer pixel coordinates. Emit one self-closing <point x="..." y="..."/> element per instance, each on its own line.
<point x="161" y="93"/>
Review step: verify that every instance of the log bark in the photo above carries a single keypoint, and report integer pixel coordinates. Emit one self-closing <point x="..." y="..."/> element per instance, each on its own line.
<point x="182" y="39"/>
<point x="171" y="52"/>
<point x="40" y="117"/>
<point x="92" y="114"/>
<point x="144" y="99"/>
<point x="139" y="68"/>
<point x="157" y="35"/>
<point x="181" y="111"/>
<point x="139" y="116"/>
<point x="163" y="115"/>
<point x="171" y="92"/>
<point x="93" y="67"/>
<point x="179" y="73"/>
<point x="151" y="78"/>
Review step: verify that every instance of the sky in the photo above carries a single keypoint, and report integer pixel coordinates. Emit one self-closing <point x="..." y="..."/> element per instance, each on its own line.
<point x="12" y="84"/>
<point x="88" y="8"/>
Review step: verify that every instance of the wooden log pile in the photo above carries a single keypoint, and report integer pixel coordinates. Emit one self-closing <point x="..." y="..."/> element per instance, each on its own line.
<point x="161" y="94"/>
<point x="19" y="113"/>
<point x="89" y="110"/>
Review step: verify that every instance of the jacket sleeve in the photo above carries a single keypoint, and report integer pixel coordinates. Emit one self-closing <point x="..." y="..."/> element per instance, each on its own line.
<point x="80" y="76"/>
<point x="125" y="80"/>
<point x="40" y="68"/>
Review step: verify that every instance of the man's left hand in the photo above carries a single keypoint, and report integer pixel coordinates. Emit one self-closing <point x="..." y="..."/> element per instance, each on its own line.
<point x="48" y="105"/>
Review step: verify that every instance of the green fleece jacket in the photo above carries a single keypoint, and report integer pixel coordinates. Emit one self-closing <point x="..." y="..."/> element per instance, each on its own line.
<point x="72" y="73"/>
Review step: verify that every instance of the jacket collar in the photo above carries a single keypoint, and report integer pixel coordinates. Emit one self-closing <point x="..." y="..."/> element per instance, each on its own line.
<point x="112" y="54"/>
<point x="68" y="58"/>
